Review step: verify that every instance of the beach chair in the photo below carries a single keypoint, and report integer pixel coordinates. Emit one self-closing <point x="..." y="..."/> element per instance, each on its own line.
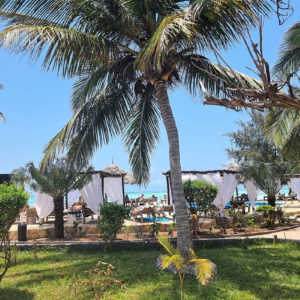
<point x="169" y="209"/>
<point x="87" y="212"/>
<point x="145" y="211"/>
<point x="31" y="215"/>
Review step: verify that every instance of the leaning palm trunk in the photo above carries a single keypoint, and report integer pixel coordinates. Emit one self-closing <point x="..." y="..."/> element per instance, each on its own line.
<point x="59" y="217"/>
<point x="184" y="242"/>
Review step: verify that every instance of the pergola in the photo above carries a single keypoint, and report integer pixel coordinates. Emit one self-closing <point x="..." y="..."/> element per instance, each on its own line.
<point x="227" y="181"/>
<point x="107" y="184"/>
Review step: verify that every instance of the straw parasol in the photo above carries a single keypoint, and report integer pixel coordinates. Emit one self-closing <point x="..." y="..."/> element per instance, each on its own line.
<point x="233" y="167"/>
<point x="114" y="170"/>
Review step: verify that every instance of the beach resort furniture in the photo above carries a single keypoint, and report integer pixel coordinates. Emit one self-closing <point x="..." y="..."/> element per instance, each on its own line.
<point x="145" y="211"/>
<point x="87" y="212"/>
<point x="169" y="209"/>
<point x="222" y="222"/>
<point x="31" y="215"/>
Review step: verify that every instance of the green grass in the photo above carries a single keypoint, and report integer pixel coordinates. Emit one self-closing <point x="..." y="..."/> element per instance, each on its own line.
<point x="263" y="271"/>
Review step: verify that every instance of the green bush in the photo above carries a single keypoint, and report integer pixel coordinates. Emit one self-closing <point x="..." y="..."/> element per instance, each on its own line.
<point x="111" y="220"/>
<point x="268" y="213"/>
<point x="12" y="199"/>
<point x="200" y="192"/>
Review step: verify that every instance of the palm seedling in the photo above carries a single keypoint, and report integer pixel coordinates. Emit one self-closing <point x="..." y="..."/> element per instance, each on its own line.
<point x="204" y="268"/>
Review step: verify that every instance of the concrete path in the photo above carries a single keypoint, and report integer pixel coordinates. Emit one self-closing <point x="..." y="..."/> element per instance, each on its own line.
<point x="292" y="234"/>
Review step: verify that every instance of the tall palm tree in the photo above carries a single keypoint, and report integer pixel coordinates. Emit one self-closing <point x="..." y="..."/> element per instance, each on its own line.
<point x="56" y="180"/>
<point x="127" y="54"/>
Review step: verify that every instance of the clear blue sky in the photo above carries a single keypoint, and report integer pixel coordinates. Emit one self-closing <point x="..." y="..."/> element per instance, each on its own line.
<point x="36" y="105"/>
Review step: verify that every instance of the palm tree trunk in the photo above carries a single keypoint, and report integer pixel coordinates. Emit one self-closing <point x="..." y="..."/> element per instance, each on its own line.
<point x="272" y="200"/>
<point x="184" y="241"/>
<point x="59" y="217"/>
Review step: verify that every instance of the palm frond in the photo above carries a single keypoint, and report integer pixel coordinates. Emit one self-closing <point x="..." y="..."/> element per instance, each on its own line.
<point x="215" y="78"/>
<point x="167" y="245"/>
<point x="67" y="51"/>
<point x="165" y="261"/>
<point x="100" y="119"/>
<point x="178" y="261"/>
<point x="142" y="132"/>
<point x="289" y="59"/>
<point x="222" y="22"/>
<point x="204" y="269"/>
<point x="173" y="28"/>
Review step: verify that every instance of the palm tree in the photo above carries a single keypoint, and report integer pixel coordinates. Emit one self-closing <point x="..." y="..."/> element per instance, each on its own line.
<point x="283" y="126"/>
<point x="127" y="54"/>
<point x="56" y="180"/>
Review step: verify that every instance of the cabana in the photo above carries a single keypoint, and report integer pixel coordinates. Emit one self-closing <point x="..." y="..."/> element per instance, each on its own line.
<point x="226" y="180"/>
<point x="105" y="185"/>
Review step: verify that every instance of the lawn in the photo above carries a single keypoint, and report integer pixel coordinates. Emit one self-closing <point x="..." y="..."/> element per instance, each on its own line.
<point x="263" y="271"/>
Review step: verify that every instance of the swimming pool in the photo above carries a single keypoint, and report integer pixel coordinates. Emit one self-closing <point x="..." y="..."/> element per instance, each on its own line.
<point x="258" y="203"/>
<point x="149" y="219"/>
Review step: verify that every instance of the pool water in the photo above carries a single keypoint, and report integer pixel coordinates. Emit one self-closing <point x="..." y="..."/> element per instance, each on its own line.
<point x="258" y="203"/>
<point x="157" y="219"/>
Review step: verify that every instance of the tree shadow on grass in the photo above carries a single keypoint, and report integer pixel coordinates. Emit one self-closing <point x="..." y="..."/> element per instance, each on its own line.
<point x="14" y="294"/>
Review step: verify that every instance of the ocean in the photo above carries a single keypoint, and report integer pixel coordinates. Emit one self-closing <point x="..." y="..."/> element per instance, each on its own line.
<point x="160" y="195"/>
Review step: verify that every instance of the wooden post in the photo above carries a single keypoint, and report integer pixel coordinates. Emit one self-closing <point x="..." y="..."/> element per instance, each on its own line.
<point x="102" y="186"/>
<point x="168" y="190"/>
<point x="123" y="191"/>
<point x="275" y="239"/>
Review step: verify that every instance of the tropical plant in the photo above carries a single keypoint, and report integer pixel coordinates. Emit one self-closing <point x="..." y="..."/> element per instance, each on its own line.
<point x="127" y="54"/>
<point x="111" y="220"/>
<point x="283" y="126"/>
<point x="99" y="280"/>
<point x="249" y="142"/>
<point x="204" y="268"/>
<point x="261" y="161"/>
<point x="199" y="195"/>
<point x="289" y="59"/>
<point x="12" y="199"/>
<point x="268" y="213"/>
<point x="57" y="179"/>
<point x="267" y="176"/>
<point x="170" y="229"/>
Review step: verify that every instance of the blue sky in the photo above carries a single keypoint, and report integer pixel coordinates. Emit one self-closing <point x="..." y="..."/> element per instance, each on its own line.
<point x="36" y="105"/>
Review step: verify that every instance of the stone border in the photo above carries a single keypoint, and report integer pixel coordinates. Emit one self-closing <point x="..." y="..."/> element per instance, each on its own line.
<point x="144" y="244"/>
<point x="260" y="232"/>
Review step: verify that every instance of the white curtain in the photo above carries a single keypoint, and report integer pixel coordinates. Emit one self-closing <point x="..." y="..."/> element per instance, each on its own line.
<point x="252" y="192"/>
<point x="214" y="179"/>
<point x="44" y="204"/>
<point x="226" y="190"/>
<point x="294" y="184"/>
<point x="114" y="189"/>
<point x="92" y="193"/>
<point x="73" y="196"/>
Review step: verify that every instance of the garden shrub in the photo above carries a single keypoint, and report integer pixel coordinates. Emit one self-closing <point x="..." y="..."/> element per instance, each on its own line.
<point x="12" y="199"/>
<point x="111" y="220"/>
<point x="199" y="195"/>
<point x="268" y="214"/>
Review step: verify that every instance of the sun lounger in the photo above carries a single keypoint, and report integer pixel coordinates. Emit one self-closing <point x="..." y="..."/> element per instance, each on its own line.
<point x="31" y="215"/>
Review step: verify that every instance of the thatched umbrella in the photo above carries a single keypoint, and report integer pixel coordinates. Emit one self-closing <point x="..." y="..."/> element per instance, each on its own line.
<point x="129" y="179"/>
<point x="233" y="167"/>
<point x="114" y="170"/>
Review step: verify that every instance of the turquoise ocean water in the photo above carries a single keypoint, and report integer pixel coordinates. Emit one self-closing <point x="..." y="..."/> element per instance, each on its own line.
<point x="160" y="195"/>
